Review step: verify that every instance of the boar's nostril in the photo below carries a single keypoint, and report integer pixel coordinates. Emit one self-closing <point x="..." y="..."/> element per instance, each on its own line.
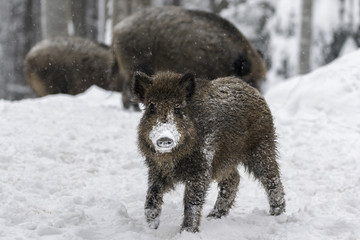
<point x="164" y="119"/>
<point x="165" y="142"/>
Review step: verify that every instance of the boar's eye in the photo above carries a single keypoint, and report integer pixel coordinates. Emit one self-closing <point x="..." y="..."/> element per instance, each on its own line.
<point x="177" y="109"/>
<point x="152" y="108"/>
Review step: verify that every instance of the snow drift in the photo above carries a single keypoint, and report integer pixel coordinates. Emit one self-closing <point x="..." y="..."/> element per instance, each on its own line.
<point x="70" y="168"/>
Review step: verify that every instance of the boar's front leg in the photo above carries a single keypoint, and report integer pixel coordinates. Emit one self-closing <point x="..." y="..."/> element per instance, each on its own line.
<point x="154" y="200"/>
<point x="195" y="192"/>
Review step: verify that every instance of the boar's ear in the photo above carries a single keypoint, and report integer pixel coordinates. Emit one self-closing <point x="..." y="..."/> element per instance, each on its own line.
<point x="187" y="81"/>
<point x="141" y="82"/>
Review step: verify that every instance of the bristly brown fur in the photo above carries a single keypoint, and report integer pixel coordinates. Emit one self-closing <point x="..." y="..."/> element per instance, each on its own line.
<point x="181" y="40"/>
<point x="223" y="123"/>
<point x="70" y="65"/>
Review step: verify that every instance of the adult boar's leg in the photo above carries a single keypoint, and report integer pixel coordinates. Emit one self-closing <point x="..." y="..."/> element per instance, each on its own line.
<point x="127" y="97"/>
<point x="194" y="198"/>
<point x="226" y="196"/>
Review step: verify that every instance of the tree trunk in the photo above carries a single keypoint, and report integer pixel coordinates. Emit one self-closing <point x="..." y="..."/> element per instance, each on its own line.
<point x="121" y="9"/>
<point x="305" y="37"/>
<point x="92" y="19"/>
<point x="84" y="16"/>
<point x="217" y="7"/>
<point x="78" y="17"/>
<point x="57" y="16"/>
<point x="173" y="2"/>
<point x="20" y="30"/>
<point x="124" y="8"/>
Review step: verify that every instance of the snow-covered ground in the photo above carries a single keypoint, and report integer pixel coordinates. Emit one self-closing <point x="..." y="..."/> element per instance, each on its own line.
<point x="70" y="168"/>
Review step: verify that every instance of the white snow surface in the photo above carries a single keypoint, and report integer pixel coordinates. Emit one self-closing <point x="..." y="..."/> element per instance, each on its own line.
<point x="70" y="168"/>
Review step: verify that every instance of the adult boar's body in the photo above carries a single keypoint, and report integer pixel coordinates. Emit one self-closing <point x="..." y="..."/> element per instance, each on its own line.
<point x="181" y="40"/>
<point x="70" y="65"/>
<point x="193" y="132"/>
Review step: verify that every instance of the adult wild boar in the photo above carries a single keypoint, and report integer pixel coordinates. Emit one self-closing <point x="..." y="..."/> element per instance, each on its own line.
<point x="180" y="40"/>
<point x="195" y="131"/>
<point x="70" y="65"/>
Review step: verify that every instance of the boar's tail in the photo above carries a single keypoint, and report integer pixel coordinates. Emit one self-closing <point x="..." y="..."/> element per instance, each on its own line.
<point x="241" y="65"/>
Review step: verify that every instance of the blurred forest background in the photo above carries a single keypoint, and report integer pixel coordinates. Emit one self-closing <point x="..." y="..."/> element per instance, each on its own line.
<point x="294" y="36"/>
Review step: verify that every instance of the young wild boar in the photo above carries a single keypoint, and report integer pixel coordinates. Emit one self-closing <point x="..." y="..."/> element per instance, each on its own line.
<point x="196" y="131"/>
<point x="180" y="40"/>
<point x="70" y="65"/>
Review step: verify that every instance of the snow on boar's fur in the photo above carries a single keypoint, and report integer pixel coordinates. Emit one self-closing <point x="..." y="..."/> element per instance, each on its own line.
<point x="194" y="131"/>
<point x="180" y="40"/>
<point x="70" y="65"/>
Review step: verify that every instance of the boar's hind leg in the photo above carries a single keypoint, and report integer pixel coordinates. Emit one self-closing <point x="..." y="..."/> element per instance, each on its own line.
<point x="275" y="193"/>
<point x="262" y="163"/>
<point x="226" y="196"/>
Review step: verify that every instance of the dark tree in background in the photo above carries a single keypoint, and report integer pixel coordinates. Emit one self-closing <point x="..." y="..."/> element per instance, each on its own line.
<point x="345" y="31"/>
<point x="218" y="6"/>
<point x="32" y="24"/>
<point x="124" y="8"/>
<point x="56" y="17"/>
<point x="84" y="17"/>
<point x="173" y="2"/>
<point x="305" y="36"/>
<point x="78" y="17"/>
<point x="19" y="31"/>
<point x="121" y="9"/>
<point x="92" y="19"/>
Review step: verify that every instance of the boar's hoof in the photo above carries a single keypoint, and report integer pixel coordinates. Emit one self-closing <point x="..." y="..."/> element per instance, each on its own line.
<point x="277" y="210"/>
<point x="189" y="229"/>
<point x="153" y="218"/>
<point x="216" y="214"/>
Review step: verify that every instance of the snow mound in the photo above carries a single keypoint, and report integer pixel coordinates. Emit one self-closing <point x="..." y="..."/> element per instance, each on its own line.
<point x="333" y="90"/>
<point x="70" y="168"/>
<point x="318" y="122"/>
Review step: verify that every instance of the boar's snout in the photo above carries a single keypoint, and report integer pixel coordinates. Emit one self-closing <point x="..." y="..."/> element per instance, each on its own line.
<point x="165" y="136"/>
<point x="165" y="142"/>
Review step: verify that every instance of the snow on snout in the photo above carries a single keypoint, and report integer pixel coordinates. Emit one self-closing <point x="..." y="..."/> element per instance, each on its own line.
<point x="165" y="136"/>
